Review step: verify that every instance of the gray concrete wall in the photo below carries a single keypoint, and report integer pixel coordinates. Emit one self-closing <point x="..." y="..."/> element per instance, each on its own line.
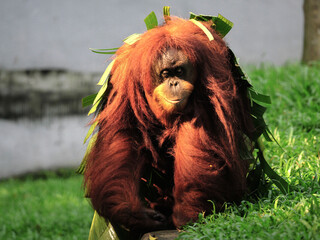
<point x="39" y="93"/>
<point x="57" y="34"/>
<point x="46" y="143"/>
<point x="46" y="65"/>
<point x="42" y="122"/>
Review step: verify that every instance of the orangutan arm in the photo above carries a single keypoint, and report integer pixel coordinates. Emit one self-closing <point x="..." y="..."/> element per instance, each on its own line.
<point x="112" y="177"/>
<point x="202" y="175"/>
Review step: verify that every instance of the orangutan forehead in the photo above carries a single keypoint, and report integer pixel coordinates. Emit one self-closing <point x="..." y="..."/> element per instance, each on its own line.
<point x="170" y="59"/>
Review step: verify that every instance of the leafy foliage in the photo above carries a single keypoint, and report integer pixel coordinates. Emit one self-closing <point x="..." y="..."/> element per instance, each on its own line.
<point x="104" y="51"/>
<point x="220" y="23"/>
<point x="151" y="21"/>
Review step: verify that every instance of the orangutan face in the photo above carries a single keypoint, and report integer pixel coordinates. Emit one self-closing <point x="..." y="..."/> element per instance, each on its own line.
<point x="173" y="82"/>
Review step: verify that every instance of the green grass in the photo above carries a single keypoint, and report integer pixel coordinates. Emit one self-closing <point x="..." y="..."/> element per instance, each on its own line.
<point x="44" y="206"/>
<point x="294" y="118"/>
<point x="51" y="205"/>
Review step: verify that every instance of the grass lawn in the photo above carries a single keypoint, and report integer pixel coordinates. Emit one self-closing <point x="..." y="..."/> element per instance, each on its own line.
<point x="51" y="206"/>
<point x="46" y="206"/>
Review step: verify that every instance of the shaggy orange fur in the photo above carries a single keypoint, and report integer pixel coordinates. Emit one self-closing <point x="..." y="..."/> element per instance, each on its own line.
<point x="197" y="150"/>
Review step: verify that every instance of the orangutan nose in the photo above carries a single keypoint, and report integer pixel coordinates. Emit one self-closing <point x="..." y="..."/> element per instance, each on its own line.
<point x="173" y="83"/>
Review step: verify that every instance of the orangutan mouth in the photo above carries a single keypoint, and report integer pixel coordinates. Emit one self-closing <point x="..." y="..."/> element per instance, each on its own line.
<point x="174" y="101"/>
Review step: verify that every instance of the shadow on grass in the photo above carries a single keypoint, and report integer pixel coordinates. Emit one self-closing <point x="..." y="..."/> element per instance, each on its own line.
<point x="62" y="173"/>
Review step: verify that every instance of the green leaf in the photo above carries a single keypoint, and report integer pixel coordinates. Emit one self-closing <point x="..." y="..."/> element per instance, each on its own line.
<point x="88" y="100"/>
<point x="275" y="178"/>
<point x="166" y="11"/>
<point x="82" y="167"/>
<point x="101" y="229"/>
<point x="203" y="28"/>
<point x="266" y="135"/>
<point x="192" y="15"/>
<point x="132" y="38"/>
<point x="257" y="110"/>
<point x="222" y="25"/>
<point x="269" y="133"/>
<point x="104" y="51"/>
<point x="203" y="18"/>
<point x="93" y="108"/>
<point x="151" y="21"/>
<point x="260" y="126"/>
<point x="259" y="97"/>
<point x="83" y="163"/>
<point x="106" y="74"/>
<point x="91" y="129"/>
<point x="100" y="93"/>
<point x="98" y="98"/>
<point x="104" y="82"/>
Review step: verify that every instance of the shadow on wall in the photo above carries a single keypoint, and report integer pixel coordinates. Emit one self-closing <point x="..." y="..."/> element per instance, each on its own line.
<point x="42" y="121"/>
<point x="39" y="93"/>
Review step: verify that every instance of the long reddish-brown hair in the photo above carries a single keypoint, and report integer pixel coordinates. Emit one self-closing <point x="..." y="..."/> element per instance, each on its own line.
<point x="132" y="75"/>
<point x="217" y="108"/>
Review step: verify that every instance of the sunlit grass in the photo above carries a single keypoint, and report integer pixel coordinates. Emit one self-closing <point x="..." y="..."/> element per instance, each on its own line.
<point x="44" y="208"/>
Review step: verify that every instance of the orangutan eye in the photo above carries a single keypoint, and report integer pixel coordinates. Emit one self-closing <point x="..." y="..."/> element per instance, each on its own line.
<point x="179" y="71"/>
<point x="164" y="74"/>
